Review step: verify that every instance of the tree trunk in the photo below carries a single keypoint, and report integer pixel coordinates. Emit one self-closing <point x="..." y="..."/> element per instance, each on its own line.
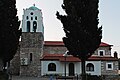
<point x="83" y="69"/>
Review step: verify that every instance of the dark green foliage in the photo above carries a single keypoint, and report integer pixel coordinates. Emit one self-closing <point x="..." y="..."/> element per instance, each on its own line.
<point x="9" y="29"/>
<point x="93" y="77"/>
<point x="3" y="76"/>
<point x="81" y="27"/>
<point x="119" y="63"/>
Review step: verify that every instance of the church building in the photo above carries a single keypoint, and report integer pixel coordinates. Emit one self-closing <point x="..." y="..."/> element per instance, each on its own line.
<point x="36" y="57"/>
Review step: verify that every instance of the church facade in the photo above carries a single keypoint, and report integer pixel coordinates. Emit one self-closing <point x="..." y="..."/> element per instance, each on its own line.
<point x="54" y="61"/>
<point x="36" y="57"/>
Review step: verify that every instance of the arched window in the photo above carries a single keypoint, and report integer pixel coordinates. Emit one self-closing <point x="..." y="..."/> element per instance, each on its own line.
<point x="35" y="17"/>
<point x="31" y="18"/>
<point x="27" y="17"/>
<point x="31" y="57"/>
<point x="28" y="26"/>
<point x="90" y="67"/>
<point x="34" y="26"/>
<point x="52" y="67"/>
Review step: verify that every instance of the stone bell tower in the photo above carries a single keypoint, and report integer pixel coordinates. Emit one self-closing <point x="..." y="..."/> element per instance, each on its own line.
<point x="32" y="39"/>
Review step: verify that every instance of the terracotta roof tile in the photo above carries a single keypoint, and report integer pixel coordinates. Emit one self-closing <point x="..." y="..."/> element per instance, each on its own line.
<point x="60" y="43"/>
<point x="70" y="58"/>
<point x="105" y="44"/>
<point x="54" y="43"/>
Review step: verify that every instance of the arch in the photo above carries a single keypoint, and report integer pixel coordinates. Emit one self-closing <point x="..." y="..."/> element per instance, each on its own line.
<point x="35" y="17"/>
<point x="28" y="26"/>
<point x="27" y="17"/>
<point x="90" y="67"/>
<point x="51" y="67"/>
<point x="34" y="26"/>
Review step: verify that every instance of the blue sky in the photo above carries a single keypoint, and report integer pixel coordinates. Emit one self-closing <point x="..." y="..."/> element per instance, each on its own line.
<point x="109" y="18"/>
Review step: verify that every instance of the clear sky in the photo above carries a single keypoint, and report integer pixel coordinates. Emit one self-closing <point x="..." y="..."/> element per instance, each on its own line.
<point x="109" y="18"/>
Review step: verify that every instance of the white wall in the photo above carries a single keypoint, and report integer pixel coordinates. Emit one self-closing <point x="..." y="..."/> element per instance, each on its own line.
<point x="44" y="68"/>
<point x="77" y="68"/>
<point x="38" y="13"/>
<point x="60" y="67"/>
<point x="97" y="67"/>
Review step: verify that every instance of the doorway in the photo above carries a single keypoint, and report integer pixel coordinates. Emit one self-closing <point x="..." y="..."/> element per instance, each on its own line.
<point x="71" y="69"/>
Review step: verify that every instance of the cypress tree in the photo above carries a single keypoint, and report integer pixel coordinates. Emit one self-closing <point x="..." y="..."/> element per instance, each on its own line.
<point x="80" y="24"/>
<point x="9" y="30"/>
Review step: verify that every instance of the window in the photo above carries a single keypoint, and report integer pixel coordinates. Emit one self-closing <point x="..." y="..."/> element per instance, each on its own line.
<point x="109" y="66"/>
<point x="90" y="67"/>
<point x="101" y="52"/>
<point x="27" y="17"/>
<point x="31" y="13"/>
<point x="34" y="26"/>
<point x="35" y="17"/>
<point x="31" y="18"/>
<point x="52" y="67"/>
<point x="28" y="26"/>
<point x="30" y="57"/>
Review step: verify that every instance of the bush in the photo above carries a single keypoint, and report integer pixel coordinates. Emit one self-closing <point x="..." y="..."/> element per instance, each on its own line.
<point x="93" y="77"/>
<point x="3" y="76"/>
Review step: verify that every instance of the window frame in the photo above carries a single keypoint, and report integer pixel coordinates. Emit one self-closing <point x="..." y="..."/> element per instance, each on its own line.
<point x="90" y="67"/>
<point x="52" y="68"/>
<point x="110" y="63"/>
<point x="100" y="51"/>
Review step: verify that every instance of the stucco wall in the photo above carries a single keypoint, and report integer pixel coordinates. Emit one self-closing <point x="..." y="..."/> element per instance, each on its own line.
<point x="44" y="68"/>
<point x="60" y="68"/>
<point x="97" y="67"/>
<point x="36" y="13"/>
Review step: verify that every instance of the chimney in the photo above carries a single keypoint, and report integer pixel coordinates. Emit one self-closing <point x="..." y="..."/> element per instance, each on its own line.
<point x="115" y="54"/>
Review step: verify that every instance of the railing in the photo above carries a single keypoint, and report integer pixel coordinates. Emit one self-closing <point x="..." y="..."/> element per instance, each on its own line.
<point x="60" y="76"/>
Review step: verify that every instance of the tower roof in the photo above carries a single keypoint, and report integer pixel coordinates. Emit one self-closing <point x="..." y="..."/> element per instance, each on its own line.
<point x="33" y="8"/>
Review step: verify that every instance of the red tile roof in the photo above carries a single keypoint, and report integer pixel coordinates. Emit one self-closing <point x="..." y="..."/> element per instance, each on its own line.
<point x="70" y="58"/>
<point x="105" y="44"/>
<point x="54" y="43"/>
<point x="60" y="43"/>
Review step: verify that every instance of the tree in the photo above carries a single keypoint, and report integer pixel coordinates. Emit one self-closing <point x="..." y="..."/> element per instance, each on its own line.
<point x="9" y="31"/>
<point x="80" y="24"/>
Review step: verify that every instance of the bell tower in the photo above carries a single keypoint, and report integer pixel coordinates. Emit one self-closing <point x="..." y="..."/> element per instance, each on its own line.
<point x="32" y="39"/>
<point x="32" y="20"/>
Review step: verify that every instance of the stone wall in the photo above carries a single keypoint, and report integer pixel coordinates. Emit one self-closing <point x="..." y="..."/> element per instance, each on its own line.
<point x="55" y="49"/>
<point x="15" y="63"/>
<point x="31" y="43"/>
<point x="107" y="51"/>
<point x="109" y="72"/>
